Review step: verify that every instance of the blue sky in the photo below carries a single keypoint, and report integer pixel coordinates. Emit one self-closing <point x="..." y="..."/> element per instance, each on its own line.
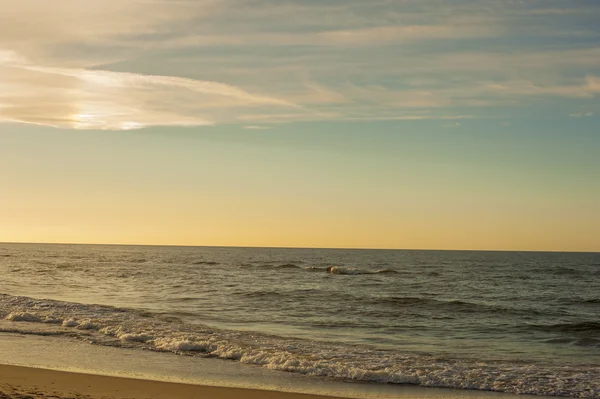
<point x="420" y="124"/>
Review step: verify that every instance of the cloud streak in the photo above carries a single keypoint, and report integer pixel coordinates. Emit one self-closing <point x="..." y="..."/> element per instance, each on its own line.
<point x="129" y="64"/>
<point x="106" y="100"/>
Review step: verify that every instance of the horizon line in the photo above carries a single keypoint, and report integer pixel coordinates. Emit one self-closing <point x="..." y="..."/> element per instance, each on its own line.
<point x="298" y="247"/>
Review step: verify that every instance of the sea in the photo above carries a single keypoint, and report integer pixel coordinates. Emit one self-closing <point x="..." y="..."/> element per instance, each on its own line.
<point x="512" y="322"/>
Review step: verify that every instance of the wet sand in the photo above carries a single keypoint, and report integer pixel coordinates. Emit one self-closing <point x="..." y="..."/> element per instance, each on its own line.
<point x="31" y="383"/>
<point x="17" y="382"/>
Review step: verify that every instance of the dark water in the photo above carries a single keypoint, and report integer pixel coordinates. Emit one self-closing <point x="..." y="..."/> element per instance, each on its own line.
<point x="505" y="321"/>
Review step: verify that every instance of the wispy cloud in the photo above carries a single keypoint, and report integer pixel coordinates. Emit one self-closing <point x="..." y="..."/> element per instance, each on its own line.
<point x="581" y="114"/>
<point x="95" y="99"/>
<point x="588" y="88"/>
<point x="403" y="33"/>
<point x="127" y="64"/>
<point x="106" y="100"/>
<point x="453" y="125"/>
<point x="553" y="11"/>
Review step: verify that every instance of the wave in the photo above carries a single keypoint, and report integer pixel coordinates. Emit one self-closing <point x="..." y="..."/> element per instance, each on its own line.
<point x="124" y="275"/>
<point x="25" y="331"/>
<point x="593" y="301"/>
<point x="563" y="271"/>
<point x="575" y="327"/>
<point x="448" y="305"/>
<point x="205" y="262"/>
<point x="588" y="341"/>
<point x="288" y="266"/>
<point x="261" y="294"/>
<point x="395" y="300"/>
<point x="315" y="269"/>
<point x="349" y="271"/>
<point x="355" y="271"/>
<point x="585" y="342"/>
<point x="298" y="294"/>
<point x="121" y="327"/>
<point x="274" y="265"/>
<point x="425" y="307"/>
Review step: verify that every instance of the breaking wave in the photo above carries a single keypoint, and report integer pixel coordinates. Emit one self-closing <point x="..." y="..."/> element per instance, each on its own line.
<point x="106" y="325"/>
<point x="348" y="271"/>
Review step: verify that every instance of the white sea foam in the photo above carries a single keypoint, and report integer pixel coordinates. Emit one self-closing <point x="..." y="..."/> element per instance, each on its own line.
<point x="108" y="325"/>
<point x="87" y="325"/>
<point x="24" y="316"/>
<point x="136" y="337"/>
<point x="70" y="322"/>
<point x="183" y="345"/>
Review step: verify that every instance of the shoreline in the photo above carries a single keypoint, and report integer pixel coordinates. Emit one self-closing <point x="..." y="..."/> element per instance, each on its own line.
<point x="23" y="382"/>
<point x="27" y="358"/>
<point x="26" y="382"/>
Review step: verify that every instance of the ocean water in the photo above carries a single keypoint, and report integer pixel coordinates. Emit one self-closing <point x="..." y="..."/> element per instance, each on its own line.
<point x="514" y="322"/>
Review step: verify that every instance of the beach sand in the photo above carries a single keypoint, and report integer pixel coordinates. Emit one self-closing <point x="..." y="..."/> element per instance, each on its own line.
<point x="17" y="382"/>
<point x="31" y="383"/>
<point x="35" y="367"/>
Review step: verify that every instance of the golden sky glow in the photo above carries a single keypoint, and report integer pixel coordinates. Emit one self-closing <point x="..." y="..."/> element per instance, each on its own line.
<point x="454" y="125"/>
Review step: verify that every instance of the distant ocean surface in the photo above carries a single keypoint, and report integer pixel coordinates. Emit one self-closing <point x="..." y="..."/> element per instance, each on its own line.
<point x="516" y="322"/>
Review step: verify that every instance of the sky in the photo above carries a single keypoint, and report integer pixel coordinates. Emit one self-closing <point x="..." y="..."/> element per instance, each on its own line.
<point x="423" y="124"/>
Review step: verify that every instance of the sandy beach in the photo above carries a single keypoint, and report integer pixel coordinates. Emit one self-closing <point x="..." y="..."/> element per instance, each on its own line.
<point x="23" y="382"/>
<point x="18" y="382"/>
<point x="45" y="367"/>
